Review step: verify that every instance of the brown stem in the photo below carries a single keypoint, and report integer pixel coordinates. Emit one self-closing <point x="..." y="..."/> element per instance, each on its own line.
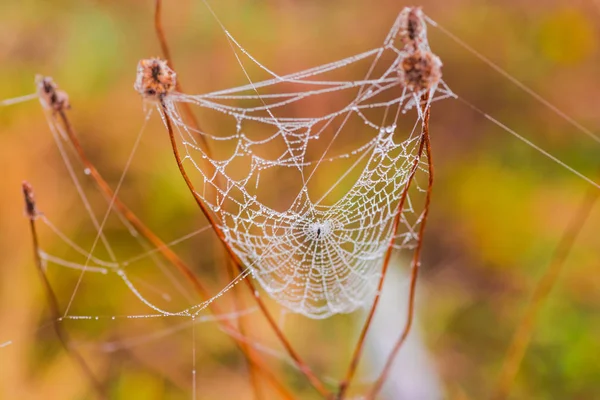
<point x="520" y="341"/>
<point x="314" y="381"/>
<point x="53" y="301"/>
<point x="345" y="384"/>
<point x="165" y="250"/>
<point x="416" y="263"/>
<point x="164" y="46"/>
<point x="126" y="212"/>
<point x="191" y="118"/>
<point x="231" y="270"/>
<point x="193" y="121"/>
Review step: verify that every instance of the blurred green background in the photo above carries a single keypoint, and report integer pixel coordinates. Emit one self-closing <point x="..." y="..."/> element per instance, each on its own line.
<point x="499" y="206"/>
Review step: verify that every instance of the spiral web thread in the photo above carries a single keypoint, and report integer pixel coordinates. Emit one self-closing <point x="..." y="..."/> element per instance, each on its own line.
<point x="316" y="259"/>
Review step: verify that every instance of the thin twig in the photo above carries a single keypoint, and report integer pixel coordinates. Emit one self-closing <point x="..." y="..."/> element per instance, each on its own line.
<point x="126" y="212"/>
<point x="237" y="305"/>
<point x="314" y="381"/>
<point x="345" y="384"/>
<point x="164" y="46"/>
<point x="191" y="118"/>
<point x="522" y="337"/>
<point x="416" y="263"/>
<point x="31" y="212"/>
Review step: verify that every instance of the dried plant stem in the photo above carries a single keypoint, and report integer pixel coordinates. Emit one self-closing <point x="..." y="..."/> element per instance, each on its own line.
<point x="53" y="301"/>
<point x="164" y="46"/>
<point x="520" y="341"/>
<point x="314" y="381"/>
<point x="237" y="302"/>
<point x="345" y="384"/>
<point x="126" y="212"/>
<point x="165" y="250"/>
<point x="416" y="263"/>
<point x="191" y="118"/>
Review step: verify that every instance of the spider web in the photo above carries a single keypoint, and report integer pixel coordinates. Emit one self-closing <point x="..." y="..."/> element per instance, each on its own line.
<point x="298" y="240"/>
<point x="315" y="256"/>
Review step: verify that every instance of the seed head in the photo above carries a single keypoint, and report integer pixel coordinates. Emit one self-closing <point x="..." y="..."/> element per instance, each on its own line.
<point x="52" y="98"/>
<point x="421" y="71"/>
<point x="154" y="79"/>
<point x="412" y="28"/>
<point x="29" y="197"/>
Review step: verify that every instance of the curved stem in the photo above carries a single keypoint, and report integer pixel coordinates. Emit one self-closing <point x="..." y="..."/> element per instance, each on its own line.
<point x="241" y="326"/>
<point x="52" y="301"/>
<point x="520" y="341"/>
<point x="164" y="46"/>
<point x="314" y="381"/>
<point x="160" y="33"/>
<point x="416" y="263"/>
<point x="191" y="118"/>
<point x="345" y="384"/>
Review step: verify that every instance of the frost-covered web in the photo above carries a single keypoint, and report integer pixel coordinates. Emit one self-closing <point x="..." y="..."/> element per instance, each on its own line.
<point x="314" y="256"/>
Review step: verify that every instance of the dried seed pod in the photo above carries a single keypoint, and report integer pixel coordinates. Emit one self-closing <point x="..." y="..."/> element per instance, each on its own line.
<point x="154" y="79"/>
<point x="52" y="98"/>
<point x="421" y="71"/>
<point x="412" y="28"/>
<point x="30" y="209"/>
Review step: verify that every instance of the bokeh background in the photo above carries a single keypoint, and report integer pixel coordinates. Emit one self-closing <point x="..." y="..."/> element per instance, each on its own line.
<point x="499" y="206"/>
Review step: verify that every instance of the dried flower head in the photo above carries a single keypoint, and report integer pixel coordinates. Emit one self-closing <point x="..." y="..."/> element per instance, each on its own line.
<point x="154" y="79"/>
<point x="412" y="28"/>
<point x="52" y="98"/>
<point x="421" y="71"/>
<point x="30" y="209"/>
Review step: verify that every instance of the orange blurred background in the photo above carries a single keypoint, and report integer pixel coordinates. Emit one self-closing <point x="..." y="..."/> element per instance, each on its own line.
<point x="499" y="206"/>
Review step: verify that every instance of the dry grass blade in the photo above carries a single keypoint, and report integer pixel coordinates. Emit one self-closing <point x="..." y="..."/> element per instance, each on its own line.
<point x="522" y="336"/>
